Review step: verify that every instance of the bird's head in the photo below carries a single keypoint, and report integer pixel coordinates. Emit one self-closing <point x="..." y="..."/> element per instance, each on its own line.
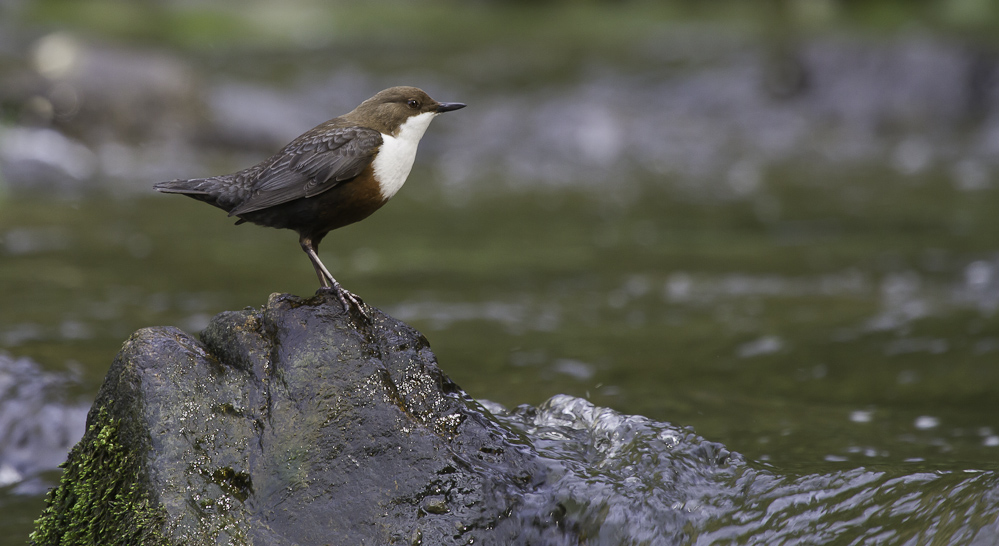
<point x="392" y="108"/>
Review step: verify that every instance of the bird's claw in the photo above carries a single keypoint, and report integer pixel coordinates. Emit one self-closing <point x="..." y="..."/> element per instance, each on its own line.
<point x="349" y="300"/>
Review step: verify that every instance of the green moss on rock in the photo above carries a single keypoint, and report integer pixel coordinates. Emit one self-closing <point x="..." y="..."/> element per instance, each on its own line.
<point x="99" y="499"/>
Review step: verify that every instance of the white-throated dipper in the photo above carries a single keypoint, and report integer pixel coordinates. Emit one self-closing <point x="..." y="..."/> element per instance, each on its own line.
<point x="336" y="174"/>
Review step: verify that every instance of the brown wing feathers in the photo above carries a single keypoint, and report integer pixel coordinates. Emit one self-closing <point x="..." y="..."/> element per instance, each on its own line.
<point x="310" y="167"/>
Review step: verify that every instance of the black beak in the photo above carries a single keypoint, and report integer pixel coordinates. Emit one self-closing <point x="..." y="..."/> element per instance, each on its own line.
<point x="448" y="106"/>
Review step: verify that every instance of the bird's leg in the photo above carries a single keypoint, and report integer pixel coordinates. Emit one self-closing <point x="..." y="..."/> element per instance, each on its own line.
<point x="324" y="275"/>
<point x="326" y="279"/>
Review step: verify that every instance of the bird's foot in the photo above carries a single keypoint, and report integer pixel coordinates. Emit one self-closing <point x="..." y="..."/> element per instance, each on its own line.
<point x="358" y="303"/>
<point x="349" y="300"/>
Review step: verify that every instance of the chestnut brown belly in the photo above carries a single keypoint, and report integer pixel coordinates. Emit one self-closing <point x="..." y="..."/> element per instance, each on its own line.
<point x="349" y="202"/>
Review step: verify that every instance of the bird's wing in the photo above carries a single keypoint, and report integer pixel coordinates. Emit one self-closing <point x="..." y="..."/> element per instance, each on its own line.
<point x="310" y="165"/>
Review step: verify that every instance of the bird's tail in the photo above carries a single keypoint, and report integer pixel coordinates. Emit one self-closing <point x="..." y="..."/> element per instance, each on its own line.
<point x="202" y="189"/>
<point x="194" y="186"/>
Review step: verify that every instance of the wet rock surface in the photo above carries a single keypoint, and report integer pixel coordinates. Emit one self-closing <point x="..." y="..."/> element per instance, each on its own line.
<point x="291" y="425"/>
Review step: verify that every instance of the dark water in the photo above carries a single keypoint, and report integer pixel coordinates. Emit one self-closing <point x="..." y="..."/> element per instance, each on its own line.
<point x="793" y="251"/>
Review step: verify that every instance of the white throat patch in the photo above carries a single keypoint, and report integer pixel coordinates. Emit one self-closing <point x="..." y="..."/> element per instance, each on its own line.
<point x="397" y="153"/>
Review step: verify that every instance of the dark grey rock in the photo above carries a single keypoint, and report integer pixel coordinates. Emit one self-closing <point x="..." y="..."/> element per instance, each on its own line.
<point x="295" y="424"/>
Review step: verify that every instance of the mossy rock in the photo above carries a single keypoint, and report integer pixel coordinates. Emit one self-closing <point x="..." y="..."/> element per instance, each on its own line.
<point x="297" y="423"/>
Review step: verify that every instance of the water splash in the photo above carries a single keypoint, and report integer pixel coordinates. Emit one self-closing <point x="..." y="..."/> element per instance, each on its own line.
<point x="630" y="480"/>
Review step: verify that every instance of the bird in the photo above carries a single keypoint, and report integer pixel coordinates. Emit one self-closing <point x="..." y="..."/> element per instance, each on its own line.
<point x="333" y="175"/>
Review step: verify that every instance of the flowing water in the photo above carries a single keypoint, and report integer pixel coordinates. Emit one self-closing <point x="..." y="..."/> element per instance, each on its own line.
<point x="637" y="481"/>
<point x="795" y="276"/>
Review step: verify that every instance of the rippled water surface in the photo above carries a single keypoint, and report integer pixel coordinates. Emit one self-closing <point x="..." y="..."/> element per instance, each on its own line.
<point x="633" y="480"/>
<point x="796" y="259"/>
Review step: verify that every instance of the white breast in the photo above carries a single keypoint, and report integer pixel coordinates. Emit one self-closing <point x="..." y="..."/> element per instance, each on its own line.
<point x="397" y="153"/>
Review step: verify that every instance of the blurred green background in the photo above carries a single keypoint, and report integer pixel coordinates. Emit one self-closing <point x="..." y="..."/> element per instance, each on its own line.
<point x="775" y="222"/>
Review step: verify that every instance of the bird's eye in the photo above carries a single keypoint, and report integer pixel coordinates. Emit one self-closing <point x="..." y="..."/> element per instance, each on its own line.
<point x="413" y="103"/>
